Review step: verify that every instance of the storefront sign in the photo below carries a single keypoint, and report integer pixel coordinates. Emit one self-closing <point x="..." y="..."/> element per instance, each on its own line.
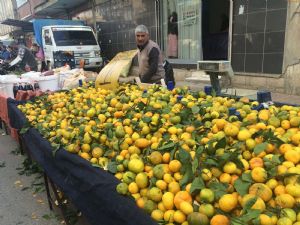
<point x="189" y="16"/>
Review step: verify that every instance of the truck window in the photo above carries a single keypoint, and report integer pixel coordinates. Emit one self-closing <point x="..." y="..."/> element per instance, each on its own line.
<point x="47" y="37"/>
<point x="73" y="37"/>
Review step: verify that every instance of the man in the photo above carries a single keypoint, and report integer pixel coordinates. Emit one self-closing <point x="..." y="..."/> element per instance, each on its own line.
<point x="149" y="57"/>
<point x="25" y="59"/>
<point x="6" y="56"/>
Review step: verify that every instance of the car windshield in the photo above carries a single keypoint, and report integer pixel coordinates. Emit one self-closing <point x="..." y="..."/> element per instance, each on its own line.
<point x="74" y="37"/>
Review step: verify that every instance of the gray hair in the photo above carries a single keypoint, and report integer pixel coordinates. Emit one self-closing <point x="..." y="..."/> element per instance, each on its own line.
<point x="141" y="29"/>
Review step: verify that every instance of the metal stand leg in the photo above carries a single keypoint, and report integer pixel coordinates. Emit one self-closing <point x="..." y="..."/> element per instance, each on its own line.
<point x="214" y="80"/>
<point x="21" y="143"/>
<point x="60" y="203"/>
<point x="48" y="192"/>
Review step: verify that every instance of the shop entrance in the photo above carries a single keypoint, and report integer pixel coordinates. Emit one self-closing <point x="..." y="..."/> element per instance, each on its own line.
<point x="215" y="29"/>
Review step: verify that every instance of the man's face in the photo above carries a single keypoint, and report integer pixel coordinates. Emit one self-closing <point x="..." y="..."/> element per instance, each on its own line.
<point x="141" y="38"/>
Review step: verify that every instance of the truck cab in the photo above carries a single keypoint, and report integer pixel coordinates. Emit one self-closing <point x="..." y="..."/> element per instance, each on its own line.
<point x="70" y="44"/>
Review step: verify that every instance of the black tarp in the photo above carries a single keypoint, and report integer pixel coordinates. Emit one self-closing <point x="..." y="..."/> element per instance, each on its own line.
<point x="91" y="189"/>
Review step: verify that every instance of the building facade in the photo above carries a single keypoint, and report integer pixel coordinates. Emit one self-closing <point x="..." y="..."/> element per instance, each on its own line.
<point x="7" y="11"/>
<point x="259" y="37"/>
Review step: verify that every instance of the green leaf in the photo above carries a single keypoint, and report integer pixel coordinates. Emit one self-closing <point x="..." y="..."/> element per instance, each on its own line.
<point x="199" y="151"/>
<point x="221" y="143"/>
<point x="96" y="165"/>
<point x="152" y="182"/>
<point x="218" y="188"/>
<point x="250" y="215"/>
<point x="260" y="148"/>
<point x="187" y="177"/>
<point x="46" y="217"/>
<point x="276" y="159"/>
<point x="195" y="165"/>
<point x="197" y="184"/>
<point x="211" y="162"/>
<point x="241" y="186"/>
<point x="277" y="141"/>
<point x="168" y="146"/>
<point x="195" y="109"/>
<point x="250" y="203"/>
<point x="146" y="119"/>
<point x="24" y="130"/>
<point x="247" y="177"/>
<point x="112" y="167"/>
<point x="55" y="148"/>
<point x="184" y="156"/>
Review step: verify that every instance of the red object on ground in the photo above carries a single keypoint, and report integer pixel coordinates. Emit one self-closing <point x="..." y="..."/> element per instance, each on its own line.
<point x="4" y="117"/>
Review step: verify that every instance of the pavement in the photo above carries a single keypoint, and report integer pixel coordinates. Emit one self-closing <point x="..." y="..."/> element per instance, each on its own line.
<point x="19" y="204"/>
<point x="199" y="84"/>
<point x="23" y="198"/>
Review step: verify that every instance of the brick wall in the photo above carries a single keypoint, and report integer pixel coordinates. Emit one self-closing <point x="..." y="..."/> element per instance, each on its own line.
<point x="25" y="11"/>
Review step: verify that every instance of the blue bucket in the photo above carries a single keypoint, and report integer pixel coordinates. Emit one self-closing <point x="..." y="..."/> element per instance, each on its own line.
<point x="208" y="90"/>
<point x="232" y="111"/>
<point x="264" y="96"/>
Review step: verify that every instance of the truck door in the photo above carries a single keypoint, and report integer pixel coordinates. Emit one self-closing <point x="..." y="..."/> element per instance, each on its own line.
<point x="47" y="46"/>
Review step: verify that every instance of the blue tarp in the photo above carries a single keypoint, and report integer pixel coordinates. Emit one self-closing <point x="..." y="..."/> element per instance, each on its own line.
<point x="39" y="23"/>
<point x="91" y="189"/>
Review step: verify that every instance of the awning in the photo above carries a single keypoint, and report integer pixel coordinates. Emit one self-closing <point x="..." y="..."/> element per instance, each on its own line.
<point x="56" y="7"/>
<point x="24" y="25"/>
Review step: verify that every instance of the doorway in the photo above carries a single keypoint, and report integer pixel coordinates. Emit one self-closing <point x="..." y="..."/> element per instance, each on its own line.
<point x="216" y="29"/>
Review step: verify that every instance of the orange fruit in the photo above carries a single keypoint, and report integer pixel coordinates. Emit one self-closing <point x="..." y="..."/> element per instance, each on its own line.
<point x="142" y="143"/>
<point x="174" y="187"/>
<point x="259" y="174"/>
<point x="259" y="204"/>
<point x="180" y="197"/>
<point x="168" y="200"/>
<point x="179" y="217"/>
<point x="256" y="162"/>
<point x="292" y="156"/>
<point x="166" y="157"/>
<point x="136" y="165"/>
<point x="169" y="216"/>
<point x="228" y="202"/>
<point x="265" y="219"/>
<point x="157" y="215"/>
<point x="197" y="218"/>
<point x="133" y="188"/>
<point x="280" y="189"/>
<point x="155" y="157"/>
<point x="284" y="148"/>
<point x="285" y="201"/>
<point x="261" y="190"/>
<point x="229" y="167"/>
<point x="186" y="207"/>
<point x="219" y="220"/>
<point x="225" y="178"/>
<point x="161" y="184"/>
<point x="175" y="166"/>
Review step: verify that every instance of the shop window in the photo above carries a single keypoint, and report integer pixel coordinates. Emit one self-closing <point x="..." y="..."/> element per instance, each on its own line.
<point x="181" y="29"/>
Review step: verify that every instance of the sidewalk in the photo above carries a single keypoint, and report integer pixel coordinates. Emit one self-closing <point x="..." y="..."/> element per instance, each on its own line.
<point x="23" y="197"/>
<point x="234" y="91"/>
<point x="19" y="205"/>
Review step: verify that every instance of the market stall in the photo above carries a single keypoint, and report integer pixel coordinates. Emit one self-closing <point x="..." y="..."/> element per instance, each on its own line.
<point x="91" y="189"/>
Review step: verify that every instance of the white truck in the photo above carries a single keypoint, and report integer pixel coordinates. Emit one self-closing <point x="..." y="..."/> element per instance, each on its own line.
<point x="67" y="42"/>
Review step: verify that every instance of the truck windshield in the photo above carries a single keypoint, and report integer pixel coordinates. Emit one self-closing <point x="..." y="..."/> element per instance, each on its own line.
<point x="74" y="37"/>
